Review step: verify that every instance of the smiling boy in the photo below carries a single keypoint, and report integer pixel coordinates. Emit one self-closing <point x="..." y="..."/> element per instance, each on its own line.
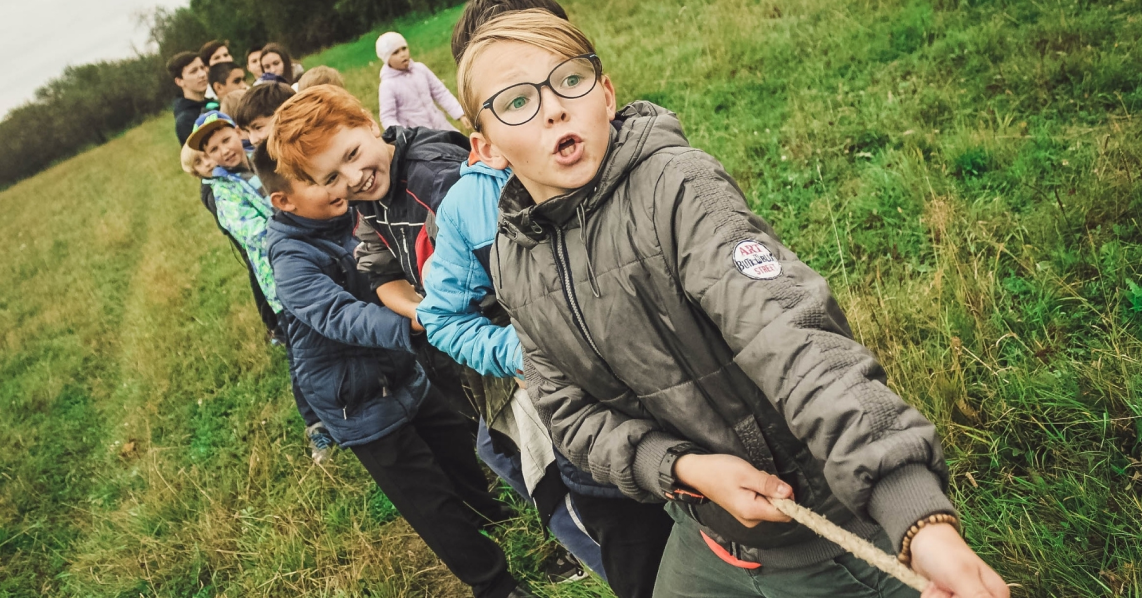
<point x="255" y="113"/>
<point x="678" y="350"/>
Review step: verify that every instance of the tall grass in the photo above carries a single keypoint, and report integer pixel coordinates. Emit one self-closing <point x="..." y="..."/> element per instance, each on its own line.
<point x="966" y="175"/>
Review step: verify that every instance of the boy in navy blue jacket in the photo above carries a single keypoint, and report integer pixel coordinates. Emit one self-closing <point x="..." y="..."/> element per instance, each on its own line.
<point x="355" y="362"/>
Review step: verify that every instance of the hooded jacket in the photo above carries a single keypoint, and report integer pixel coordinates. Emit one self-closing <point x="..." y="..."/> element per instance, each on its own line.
<point x="460" y="281"/>
<point x="655" y="308"/>
<point x="396" y="231"/>
<point x="353" y="357"/>
<point x="243" y="210"/>
<point x="459" y="304"/>
<point x="186" y="111"/>
<point x="408" y="99"/>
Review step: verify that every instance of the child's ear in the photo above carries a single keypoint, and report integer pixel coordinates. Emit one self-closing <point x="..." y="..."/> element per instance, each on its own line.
<point x="374" y="128"/>
<point x="487" y="152"/>
<point x="281" y="201"/>
<point x="609" y="94"/>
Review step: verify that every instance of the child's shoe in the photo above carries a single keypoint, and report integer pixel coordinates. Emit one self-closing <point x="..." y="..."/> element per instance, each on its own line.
<point x="564" y="568"/>
<point x="320" y="443"/>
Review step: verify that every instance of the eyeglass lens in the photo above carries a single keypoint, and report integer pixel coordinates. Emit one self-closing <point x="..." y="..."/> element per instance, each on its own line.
<point x="518" y="104"/>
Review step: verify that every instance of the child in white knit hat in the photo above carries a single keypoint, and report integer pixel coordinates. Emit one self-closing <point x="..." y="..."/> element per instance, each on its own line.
<point x="410" y="91"/>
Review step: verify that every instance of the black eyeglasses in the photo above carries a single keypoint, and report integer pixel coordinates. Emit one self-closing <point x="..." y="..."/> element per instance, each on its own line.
<point x="518" y="104"/>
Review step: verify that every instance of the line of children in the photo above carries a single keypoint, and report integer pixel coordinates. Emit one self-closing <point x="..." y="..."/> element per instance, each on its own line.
<point x="679" y="351"/>
<point x="730" y="376"/>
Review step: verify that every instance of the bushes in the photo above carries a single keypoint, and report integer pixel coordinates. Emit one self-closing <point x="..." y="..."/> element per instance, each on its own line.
<point x="91" y="103"/>
<point x="86" y="105"/>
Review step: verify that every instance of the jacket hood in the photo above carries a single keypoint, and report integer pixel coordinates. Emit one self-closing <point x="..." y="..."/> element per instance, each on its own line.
<point x="478" y="167"/>
<point x="639" y="130"/>
<point x="182" y="104"/>
<point x="289" y="226"/>
<point x="418" y="143"/>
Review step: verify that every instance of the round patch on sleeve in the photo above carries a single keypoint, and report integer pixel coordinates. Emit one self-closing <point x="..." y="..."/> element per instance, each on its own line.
<point x="755" y="261"/>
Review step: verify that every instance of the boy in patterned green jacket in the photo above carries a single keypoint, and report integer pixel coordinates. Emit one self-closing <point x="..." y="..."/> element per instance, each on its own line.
<point x="243" y="207"/>
<point x="243" y="210"/>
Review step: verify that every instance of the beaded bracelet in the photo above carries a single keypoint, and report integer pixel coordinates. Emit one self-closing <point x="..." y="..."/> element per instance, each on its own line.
<point x="905" y="555"/>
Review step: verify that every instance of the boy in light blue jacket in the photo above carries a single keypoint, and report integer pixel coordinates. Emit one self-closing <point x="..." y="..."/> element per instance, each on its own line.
<point x="457" y="314"/>
<point x="458" y="281"/>
<point x="460" y="315"/>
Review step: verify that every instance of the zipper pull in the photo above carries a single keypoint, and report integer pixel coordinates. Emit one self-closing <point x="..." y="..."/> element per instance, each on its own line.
<point x="344" y="413"/>
<point x="384" y="391"/>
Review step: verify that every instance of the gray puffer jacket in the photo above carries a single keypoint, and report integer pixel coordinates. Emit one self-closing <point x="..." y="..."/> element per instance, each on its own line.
<point x="654" y="308"/>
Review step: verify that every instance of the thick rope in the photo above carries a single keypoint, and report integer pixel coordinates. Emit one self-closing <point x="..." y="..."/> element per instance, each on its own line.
<point x="859" y="547"/>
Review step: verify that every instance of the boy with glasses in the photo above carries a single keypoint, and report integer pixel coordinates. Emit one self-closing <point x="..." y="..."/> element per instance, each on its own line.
<point x="680" y="351"/>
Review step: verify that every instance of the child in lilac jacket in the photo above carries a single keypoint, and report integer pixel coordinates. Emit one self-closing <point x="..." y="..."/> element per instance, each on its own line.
<point x="410" y="91"/>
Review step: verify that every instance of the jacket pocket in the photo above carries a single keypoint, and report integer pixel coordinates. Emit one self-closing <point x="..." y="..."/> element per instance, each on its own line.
<point x="359" y="383"/>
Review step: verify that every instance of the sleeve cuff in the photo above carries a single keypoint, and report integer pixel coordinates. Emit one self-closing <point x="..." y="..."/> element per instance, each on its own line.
<point x="904" y="497"/>
<point x="648" y="461"/>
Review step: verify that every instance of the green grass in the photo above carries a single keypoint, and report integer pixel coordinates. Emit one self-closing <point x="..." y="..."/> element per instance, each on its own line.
<point x="965" y="173"/>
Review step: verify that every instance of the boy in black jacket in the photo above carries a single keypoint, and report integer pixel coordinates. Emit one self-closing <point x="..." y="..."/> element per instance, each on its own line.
<point x="355" y="362"/>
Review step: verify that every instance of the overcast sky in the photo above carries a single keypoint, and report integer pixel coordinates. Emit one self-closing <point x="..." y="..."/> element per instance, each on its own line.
<point x="38" y="38"/>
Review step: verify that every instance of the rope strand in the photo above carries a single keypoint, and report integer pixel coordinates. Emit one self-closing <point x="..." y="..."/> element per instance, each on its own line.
<point x="859" y="547"/>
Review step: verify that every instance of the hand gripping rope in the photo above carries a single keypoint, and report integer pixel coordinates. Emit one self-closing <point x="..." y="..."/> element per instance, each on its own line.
<point x="860" y="548"/>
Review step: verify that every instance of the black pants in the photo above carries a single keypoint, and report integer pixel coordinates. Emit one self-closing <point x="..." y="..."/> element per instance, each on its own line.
<point x="632" y="536"/>
<point x="447" y="377"/>
<point x="428" y="470"/>
<point x="265" y="312"/>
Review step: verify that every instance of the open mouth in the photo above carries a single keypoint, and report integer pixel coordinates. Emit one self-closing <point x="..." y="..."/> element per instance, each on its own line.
<point x="568" y="149"/>
<point x="368" y="184"/>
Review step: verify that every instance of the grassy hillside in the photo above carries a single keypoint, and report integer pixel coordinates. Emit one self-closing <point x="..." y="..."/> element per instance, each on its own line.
<point x="966" y="174"/>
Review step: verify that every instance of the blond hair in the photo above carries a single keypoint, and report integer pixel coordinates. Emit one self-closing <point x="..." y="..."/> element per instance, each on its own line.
<point x="189" y="157"/>
<point x="320" y="75"/>
<point x="535" y="27"/>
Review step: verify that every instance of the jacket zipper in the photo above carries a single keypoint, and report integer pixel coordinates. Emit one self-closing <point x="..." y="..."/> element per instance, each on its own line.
<point x="563" y="268"/>
<point x="408" y="256"/>
<point x="405" y="259"/>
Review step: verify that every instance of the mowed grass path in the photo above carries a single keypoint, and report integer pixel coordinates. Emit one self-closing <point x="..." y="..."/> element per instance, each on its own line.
<point x="966" y="175"/>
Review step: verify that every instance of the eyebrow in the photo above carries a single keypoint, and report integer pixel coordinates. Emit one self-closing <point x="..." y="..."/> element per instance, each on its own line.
<point x="345" y="158"/>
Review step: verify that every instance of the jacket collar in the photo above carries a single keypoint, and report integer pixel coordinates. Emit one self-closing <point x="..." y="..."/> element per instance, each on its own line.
<point x="639" y="129"/>
<point x="299" y="227"/>
<point x="388" y="71"/>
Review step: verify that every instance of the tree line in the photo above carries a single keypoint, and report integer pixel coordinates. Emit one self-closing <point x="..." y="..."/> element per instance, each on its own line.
<point x="91" y="103"/>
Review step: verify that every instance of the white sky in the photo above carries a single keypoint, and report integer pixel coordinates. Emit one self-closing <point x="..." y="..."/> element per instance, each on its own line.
<point x="38" y="38"/>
